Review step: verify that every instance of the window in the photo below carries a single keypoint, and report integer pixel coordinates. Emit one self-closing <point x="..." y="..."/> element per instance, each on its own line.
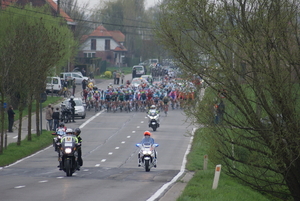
<point x="93" y="44"/>
<point x="107" y="44"/>
<point x="89" y="55"/>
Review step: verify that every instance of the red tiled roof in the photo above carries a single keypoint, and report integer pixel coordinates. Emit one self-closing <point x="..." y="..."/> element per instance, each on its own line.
<point x="118" y="36"/>
<point x="52" y="4"/>
<point x="101" y="32"/>
<point x="6" y="3"/>
<point x="120" y="49"/>
<point x="62" y="13"/>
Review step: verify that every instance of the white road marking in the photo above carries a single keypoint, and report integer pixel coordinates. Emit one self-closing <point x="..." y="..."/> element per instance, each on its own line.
<point x="138" y="127"/>
<point x="103" y="160"/>
<point x="117" y="148"/>
<point x="160" y="191"/>
<point x="123" y="142"/>
<point x="86" y="170"/>
<point x="97" y="165"/>
<point x="43" y="181"/>
<point x="15" y="137"/>
<point x="110" y="153"/>
<point x="17" y="187"/>
<point x="142" y="122"/>
<point x="59" y="177"/>
<point x="128" y="136"/>
<point x="133" y="131"/>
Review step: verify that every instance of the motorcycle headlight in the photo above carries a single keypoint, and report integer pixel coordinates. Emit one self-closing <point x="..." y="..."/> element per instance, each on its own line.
<point x="68" y="150"/>
<point x="146" y="152"/>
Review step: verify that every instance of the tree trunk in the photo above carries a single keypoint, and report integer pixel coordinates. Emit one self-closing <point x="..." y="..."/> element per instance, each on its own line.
<point x="20" y="126"/>
<point x="37" y="114"/>
<point x="29" y="119"/>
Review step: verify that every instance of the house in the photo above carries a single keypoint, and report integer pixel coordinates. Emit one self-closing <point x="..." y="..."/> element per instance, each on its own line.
<point x="107" y="45"/>
<point x="38" y="3"/>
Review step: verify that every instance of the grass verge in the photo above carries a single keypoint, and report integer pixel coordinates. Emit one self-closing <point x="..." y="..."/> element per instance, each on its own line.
<point x="14" y="152"/>
<point x="200" y="186"/>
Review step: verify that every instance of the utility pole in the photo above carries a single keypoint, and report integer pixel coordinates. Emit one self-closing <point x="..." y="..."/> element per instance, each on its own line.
<point x="58" y="8"/>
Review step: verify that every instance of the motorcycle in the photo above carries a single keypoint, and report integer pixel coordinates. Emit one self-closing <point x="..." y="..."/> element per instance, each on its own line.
<point x="68" y="154"/>
<point x="153" y="119"/>
<point x="66" y="114"/>
<point x="147" y="155"/>
<point x="56" y="140"/>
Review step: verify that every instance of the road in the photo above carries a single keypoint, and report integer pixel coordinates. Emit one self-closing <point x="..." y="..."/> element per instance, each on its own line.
<point x="110" y="170"/>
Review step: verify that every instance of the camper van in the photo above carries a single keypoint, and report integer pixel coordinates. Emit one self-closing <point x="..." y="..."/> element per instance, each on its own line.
<point x="53" y="83"/>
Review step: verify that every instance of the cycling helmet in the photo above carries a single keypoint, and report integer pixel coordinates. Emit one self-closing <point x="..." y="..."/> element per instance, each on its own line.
<point x="152" y="107"/>
<point x="147" y="133"/>
<point x="61" y="124"/>
<point x="72" y="97"/>
<point x="77" y="131"/>
<point x="69" y="131"/>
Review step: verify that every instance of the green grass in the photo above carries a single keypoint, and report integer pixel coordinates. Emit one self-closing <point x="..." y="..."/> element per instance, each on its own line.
<point x="200" y="186"/>
<point x="15" y="152"/>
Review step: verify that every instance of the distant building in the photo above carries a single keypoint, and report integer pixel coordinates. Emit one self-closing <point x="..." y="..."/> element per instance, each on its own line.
<point x="107" y="45"/>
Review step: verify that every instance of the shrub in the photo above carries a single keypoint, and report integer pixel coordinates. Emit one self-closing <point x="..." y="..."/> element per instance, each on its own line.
<point x="108" y="74"/>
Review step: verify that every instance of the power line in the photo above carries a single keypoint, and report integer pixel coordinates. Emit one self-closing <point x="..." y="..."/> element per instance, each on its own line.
<point x="87" y="21"/>
<point x="127" y="32"/>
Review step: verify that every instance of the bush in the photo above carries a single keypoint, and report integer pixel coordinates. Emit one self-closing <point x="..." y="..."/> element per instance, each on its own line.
<point x="107" y="74"/>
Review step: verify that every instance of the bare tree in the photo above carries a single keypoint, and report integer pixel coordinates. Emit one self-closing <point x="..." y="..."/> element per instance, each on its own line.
<point x="248" y="54"/>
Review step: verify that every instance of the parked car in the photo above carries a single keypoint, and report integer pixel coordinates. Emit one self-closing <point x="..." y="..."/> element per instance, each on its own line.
<point x="137" y="81"/>
<point x="53" y="83"/>
<point x="70" y="75"/>
<point x="79" y="108"/>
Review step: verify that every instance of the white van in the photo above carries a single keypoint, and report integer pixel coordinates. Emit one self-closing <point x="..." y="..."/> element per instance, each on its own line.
<point x="53" y="83"/>
<point x="70" y="75"/>
<point x="139" y="71"/>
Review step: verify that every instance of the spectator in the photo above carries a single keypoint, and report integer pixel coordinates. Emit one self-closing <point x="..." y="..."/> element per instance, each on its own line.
<point x="74" y="86"/>
<point x="118" y="77"/>
<point x="133" y="73"/>
<point x="11" y="117"/>
<point x="115" y="77"/>
<point x="84" y="84"/>
<point x="56" y="117"/>
<point x="49" y="113"/>
<point x="220" y="111"/>
<point x="122" y="77"/>
<point x="83" y="72"/>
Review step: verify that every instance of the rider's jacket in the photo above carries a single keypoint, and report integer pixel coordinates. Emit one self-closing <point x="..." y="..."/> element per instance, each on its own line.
<point x="153" y="110"/>
<point x="147" y="140"/>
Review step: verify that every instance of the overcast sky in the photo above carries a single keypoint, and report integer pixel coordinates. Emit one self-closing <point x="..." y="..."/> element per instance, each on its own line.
<point x="92" y="3"/>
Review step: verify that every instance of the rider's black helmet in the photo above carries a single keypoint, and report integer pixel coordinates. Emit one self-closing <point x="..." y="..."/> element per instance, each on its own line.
<point x="77" y="131"/>
<point x="61" y="124"/>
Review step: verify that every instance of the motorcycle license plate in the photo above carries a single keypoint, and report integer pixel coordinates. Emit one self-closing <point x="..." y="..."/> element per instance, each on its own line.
<point x="147" y="158"/>
<point x="153" y="123"/>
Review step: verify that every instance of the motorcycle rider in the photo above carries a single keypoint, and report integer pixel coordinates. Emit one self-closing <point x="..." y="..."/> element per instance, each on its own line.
<point x="77" y="133"/>
<point x="69" y="131"/>
<point x="147" y="139"/>
<point x="62" y="126"/>
<point x="72" y="105"/>
<point x="151" y="110"/>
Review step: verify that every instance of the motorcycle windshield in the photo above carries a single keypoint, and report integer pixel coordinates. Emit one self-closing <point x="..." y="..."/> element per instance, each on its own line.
<point x="68" y="141"/>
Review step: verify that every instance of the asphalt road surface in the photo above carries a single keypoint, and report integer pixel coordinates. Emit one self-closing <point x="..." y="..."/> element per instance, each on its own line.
<point x="110" y="170"/>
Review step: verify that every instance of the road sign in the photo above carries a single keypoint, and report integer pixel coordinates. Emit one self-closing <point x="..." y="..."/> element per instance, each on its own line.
<point x="4" y="105"/>
<point x="43" y="97"/>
